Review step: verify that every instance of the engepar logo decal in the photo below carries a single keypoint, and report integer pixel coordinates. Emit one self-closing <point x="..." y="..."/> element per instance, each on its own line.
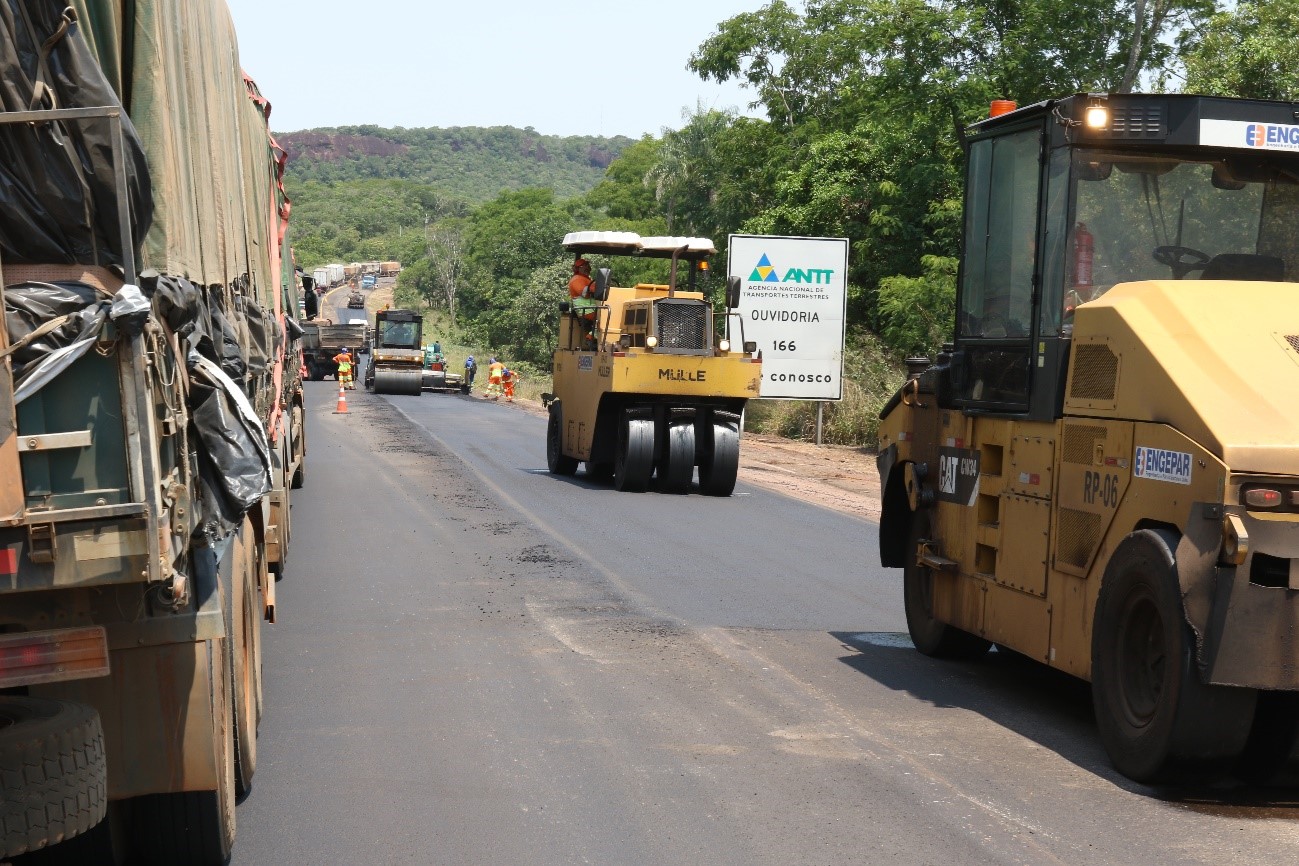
<point x="1272" y="135"/>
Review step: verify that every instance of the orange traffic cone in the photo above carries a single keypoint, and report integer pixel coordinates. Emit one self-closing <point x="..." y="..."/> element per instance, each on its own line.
<point x="342" y="401"/>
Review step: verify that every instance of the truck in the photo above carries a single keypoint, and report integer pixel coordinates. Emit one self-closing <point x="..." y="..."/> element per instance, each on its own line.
<point x="389" y="269"/>
<point x="1101" y="470"/>
<point x="436" y="377"/>
<point x="396" y="359"/>
<point x="323" y="340"/>
<point x="369" y="281"/>
<point x="150" y="428"/>
<point x="321" y="277"/>
<point x="355" y="300"/>
<point x="647" y="381"/>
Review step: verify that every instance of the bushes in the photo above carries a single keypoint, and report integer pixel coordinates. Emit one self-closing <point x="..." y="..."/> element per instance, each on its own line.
<point x="871" y="375"/>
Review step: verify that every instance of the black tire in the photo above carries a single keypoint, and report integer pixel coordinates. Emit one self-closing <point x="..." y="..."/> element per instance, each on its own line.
<point x="676" y="467"/>
<point x="53" y="778"/>
<point x="194" y="827"/>
<point x="300" y="431"/>
<point x="556" y="460"/>
<point x="634" y="459"/>
<point x="931" y="636"/>
<point x="1158" y="722"/>
<point x="719" y="459"/>
<point x="244" y="621"/>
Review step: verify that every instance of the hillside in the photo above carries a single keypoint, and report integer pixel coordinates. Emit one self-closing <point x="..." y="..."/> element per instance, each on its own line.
<point x="473" y="164"/>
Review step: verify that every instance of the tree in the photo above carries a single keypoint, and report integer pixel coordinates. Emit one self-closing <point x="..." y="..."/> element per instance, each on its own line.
<point x="919" y="312"/>
<point x="1249" y="51"/>
<point x="624" y="194"/>
<point x="687" y="173"/>
<point x="446" y="249"/>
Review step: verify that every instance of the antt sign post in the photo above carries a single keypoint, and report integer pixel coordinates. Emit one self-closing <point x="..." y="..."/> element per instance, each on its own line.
<point x="793" y="300"/>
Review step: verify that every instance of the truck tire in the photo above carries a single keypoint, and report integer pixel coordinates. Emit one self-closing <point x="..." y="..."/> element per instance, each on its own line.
<point x="556" y="461"/>
<point x="194" y="827"/>
<point x="634" y="458"/>
<point x="677" y="465"/>
<point x="931" y="636"/>
<point x="300" y="438"/>
<point x="53" y="778"/>
<point x="719" y="460"/>
<point x="1158" y="722"/>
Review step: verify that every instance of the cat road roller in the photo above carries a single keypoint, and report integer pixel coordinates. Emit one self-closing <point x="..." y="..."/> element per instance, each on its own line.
<point x="1102" y="470"/>
<point x="645" y="386"/>
<point x="397" y="356"/>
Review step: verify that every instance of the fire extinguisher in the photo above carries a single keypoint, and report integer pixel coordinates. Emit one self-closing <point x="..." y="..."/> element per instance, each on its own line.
<point x="1084" y="246"/>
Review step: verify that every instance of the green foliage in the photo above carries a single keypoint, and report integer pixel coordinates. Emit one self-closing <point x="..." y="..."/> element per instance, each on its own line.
<point x="1249" y="51"/>
<point x="469" y="163"/>
<point x="871" y="376"/>
<point x="918" y="313"/>
<point x="364" y="220"/>
<point x="624" y="194"/>
<point x="528" y="329"/>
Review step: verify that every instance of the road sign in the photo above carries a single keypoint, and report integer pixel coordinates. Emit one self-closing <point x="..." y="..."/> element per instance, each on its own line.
<point x="793" y="299"/>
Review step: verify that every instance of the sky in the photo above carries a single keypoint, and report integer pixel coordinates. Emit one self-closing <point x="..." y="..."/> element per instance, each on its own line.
<point x="561" y="67"/>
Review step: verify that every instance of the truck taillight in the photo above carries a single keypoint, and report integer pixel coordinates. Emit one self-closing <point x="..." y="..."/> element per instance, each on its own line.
<point x="31" y="657"/>
<point x="1262" y="497"/>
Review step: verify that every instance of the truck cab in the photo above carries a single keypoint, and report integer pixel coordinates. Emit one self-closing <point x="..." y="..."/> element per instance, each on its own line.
<point x="1101" y="471"/>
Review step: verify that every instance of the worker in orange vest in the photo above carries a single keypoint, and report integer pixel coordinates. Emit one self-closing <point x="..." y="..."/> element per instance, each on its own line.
<point x="495" y="369"/>
<point x="508" y="378"/>
<point x="581" y="293"/>
<point x="344" y="361"/>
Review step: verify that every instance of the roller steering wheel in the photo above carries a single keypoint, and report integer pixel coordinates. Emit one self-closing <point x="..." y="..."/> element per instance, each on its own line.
<point x="1182" y="260"/>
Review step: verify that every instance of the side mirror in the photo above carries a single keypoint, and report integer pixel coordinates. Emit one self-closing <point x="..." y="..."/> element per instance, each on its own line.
<point x="732" y="292"/>
<point x="602" y="277"/>
<point x="564" y="306"/>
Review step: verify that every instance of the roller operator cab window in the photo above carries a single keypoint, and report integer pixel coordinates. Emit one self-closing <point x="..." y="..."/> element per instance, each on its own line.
<point x="996" y="310"/>
<point x="1161" y="217"/>
<point x="399" y="334"/>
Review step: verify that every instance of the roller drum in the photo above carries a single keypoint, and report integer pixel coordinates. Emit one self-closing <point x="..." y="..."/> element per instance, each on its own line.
<point x="398" y="382"/>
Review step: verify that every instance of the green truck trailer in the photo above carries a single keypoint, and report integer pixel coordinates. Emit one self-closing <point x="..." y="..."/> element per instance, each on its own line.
<point x="151" y="426"/>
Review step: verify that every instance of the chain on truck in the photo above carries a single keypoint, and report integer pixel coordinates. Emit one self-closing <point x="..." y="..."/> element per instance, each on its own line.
<point x="150" y="430"/>
<point x="1101" y="471"/>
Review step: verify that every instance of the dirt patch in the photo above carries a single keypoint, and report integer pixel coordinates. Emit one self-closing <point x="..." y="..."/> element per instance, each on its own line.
<point x="839" y="477"/>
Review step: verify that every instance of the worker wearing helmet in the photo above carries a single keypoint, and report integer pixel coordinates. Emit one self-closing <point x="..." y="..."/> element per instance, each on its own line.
<point x="581" y="292"/>
<point x="495" y="370"/>
<point x="508" y="378"/>
<point x="471" y="367"/>
<point x="344" y="361"/>
<point x="581" y="285"/>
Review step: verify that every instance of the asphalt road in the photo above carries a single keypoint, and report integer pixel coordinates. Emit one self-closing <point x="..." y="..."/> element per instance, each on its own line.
<point x="479" y="663"/>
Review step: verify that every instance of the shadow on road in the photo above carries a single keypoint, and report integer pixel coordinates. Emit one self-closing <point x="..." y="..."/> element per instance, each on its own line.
<point x="1051" y="708"/>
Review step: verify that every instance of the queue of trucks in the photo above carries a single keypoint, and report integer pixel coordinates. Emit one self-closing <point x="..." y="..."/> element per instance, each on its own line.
<point x="151" y="426"/>
<point x="332" y="276"/>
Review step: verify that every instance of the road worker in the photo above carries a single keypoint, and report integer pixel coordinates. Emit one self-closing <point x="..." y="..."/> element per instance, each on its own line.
<point x="581" y="293"/>
<point x="508" y="378"/>
<point x="495" y="369"/>
<point x="471" y="368"/>
<point x="344" y="361"/>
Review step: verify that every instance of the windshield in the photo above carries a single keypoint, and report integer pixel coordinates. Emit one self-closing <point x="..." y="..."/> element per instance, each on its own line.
<point x="1161" y="218"/>
<point x="400" y="335"/>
